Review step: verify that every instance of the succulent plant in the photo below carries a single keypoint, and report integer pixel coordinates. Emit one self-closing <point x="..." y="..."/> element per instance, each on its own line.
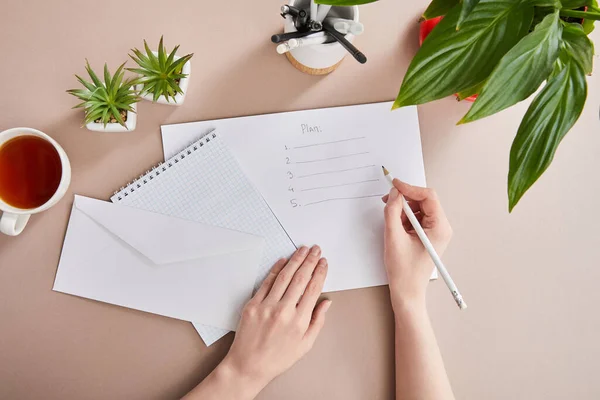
<point x="103" y="102"/>
<point x="160" y="73"/>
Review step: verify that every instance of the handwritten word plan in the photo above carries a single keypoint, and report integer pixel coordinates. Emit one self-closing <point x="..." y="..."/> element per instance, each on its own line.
<point x="320" y="172"/>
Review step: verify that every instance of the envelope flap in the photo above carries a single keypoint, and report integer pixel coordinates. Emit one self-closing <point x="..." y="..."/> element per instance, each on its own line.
<point x="164" y="239"/>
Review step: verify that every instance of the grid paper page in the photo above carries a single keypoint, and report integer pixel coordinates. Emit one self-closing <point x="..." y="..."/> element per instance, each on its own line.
<point x="204" y="183"/>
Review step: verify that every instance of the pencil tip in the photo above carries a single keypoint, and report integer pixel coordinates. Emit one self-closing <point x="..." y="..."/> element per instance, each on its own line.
<point x="385" y="171"/>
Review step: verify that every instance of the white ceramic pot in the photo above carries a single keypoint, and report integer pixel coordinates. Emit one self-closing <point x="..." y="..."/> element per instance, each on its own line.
<point x="183" y="84"/>
<point x="321" y="58"/>
<point x="13" y="219"/>
<point x="116" y="127"/>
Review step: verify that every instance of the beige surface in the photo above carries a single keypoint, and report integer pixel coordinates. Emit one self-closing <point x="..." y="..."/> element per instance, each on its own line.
<point x="531" y="330"/>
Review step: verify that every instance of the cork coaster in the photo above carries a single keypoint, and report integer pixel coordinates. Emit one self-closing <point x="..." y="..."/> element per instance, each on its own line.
<point x="311" y="71"/>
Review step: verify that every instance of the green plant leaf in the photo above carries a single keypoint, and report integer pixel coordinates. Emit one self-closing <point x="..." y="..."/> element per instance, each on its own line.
<point x="157" y="91"/>
<point x="470" y="91"/>
<point x="546" y="3"/>
<point x="141" y="59"/>
<point x="81" y="105"/>
<point x="451" y="61"/>
<point x="82" y="94"/>
<point x="117" y="81"/>
<point x="177" y="66"/>
<point x="175" y="87"/>
<point x="588" y="26"/>
<point x="172" y="55"/>
<point x="91" y="117"/>
<point x="580" y="14"/>
<point x="579" y="46"/>
<point x="105" y="119"/>
<point x="92" y="74"/>
<point x="115" y="113"/>
<point x="152" y="59"/>
<point x="344" y="2"/>
<point x="162" y="58"/>
<point x="521" y="71"/>
<point x="107" y="82"/>
<point x="85" y="83"/>
<point x="438" y="8"/>
<point x="570" y="4"/>
<point x="552" y="113"/>
<point x="467" y="8"/>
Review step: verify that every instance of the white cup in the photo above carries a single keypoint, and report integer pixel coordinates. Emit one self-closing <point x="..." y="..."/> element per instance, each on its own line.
<point x="13" y="220"/>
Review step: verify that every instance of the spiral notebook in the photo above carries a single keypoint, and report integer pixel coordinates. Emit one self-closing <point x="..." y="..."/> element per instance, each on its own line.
<point x="204" y="183"/>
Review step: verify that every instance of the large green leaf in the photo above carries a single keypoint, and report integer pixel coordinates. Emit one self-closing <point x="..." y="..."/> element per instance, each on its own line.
<point x="579" y="46"/>
<point x="438" y="8"/>
<point x="521" y="71"/>
<point x="463" y="94"/>
<point x="549" y="117"/>
<point x="344" y="2"/>
<point x="467" y="8"/>
<point x="546" y="3"/>
<point x="579" y="15"/>
<point x="588" y="24"/>
<point x="451" y="61"/>
<point x="575" y="3"/>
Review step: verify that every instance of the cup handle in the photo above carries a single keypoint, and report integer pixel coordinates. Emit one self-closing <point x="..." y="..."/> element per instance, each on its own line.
<point x="13" y="224"/>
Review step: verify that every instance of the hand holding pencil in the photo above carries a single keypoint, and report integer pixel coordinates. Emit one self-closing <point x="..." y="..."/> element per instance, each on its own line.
<point x="417" y="232"/>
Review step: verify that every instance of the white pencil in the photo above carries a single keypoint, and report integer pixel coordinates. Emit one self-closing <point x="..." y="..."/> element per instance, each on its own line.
<point x="345" y="26"/>
<point x="322" y="12"/>
<point x="428" y="246"/>
<point x="301" y="42"/>
<point x="313" y="10"/>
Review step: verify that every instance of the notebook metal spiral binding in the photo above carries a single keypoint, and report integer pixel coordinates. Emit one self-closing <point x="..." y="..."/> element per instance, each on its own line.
<point x="155" y="171"/>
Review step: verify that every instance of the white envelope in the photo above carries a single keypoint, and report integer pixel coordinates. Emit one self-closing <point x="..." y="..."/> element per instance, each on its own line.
<point x="158" y="264"/>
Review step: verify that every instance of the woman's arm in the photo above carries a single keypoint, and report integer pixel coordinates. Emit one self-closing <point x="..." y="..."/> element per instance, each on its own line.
<point x="420" y="372"/>
<point x="278" y="326"/>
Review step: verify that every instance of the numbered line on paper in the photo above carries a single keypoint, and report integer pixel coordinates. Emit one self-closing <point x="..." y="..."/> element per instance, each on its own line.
<point x="326" y="171"/>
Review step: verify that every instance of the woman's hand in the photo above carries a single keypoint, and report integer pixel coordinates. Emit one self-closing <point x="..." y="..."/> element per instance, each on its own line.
<point x="407" y="263"/>
<point x="279" y="325"/>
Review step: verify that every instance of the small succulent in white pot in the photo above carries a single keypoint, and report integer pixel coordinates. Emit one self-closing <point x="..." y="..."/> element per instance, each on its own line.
<point x="109" y="106"/>
<point x="164" y="77"/>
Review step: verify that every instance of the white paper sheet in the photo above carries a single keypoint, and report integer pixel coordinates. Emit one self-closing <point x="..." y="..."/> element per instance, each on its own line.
<point x="204" y="183"/>
<point x="156" y="263"/>
<point x="320" y="172"/>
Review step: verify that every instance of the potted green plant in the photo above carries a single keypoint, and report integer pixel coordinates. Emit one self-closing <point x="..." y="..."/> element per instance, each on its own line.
<point x="163" y="77"/>
<point x="109" y="106"/>
<point x="504" y="51"/>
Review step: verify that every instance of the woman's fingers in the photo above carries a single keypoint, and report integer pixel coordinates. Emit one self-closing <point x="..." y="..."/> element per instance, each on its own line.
<point x="393" y="213"/>
<point x="302" y="277"/>
<point x="267" y="284"/>
<point x="313" y="290"/>
<point x="317" y="321"/>
<point x="285" y="276"/>
<point x="414" y="205"/>
<point x="408" y="225"/>
<point x="426" y="197"/>
<point x="432" y="218"/>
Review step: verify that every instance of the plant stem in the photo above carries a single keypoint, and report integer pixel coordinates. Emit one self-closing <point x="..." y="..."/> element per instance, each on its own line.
<point x="580" y="14"/>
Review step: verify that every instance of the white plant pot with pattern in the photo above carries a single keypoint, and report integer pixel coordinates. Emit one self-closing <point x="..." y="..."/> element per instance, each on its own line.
<point x="116" y="127"/>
